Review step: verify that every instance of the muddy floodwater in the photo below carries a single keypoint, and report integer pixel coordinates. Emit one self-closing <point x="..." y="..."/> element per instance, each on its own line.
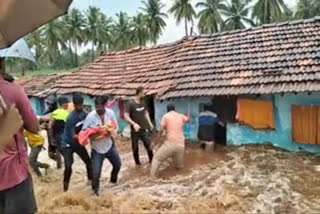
<point x="249" y="179"/>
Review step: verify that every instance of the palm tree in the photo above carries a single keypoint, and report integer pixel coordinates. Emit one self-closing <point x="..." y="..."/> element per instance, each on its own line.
<point x="269" y="11"/>
<point x="122" y="32"/>
<point x="75" y="25"/>
<point x="156" y="23"/>
<point x="305" y="9"/>
<point x="210" y="19"/>
<point x="140" y="30"/>
<point x="183" y="9"/>
<point x="104" y="25"/>
<point x="53" y="37"/>
<point x="236" y="14"/>
<point x="92" y="15"/>
<point x="35" y="40"/>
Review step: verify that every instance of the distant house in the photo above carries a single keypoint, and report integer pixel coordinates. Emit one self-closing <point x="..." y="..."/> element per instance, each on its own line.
<point x="263" y="82"/>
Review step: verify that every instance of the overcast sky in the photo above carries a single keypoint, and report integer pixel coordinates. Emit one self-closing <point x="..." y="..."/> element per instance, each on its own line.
<point x="111" y="7"/>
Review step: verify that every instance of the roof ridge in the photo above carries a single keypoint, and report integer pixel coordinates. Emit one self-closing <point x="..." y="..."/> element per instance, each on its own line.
<point x="140" y="48"/>
<point x="276" y="24"/>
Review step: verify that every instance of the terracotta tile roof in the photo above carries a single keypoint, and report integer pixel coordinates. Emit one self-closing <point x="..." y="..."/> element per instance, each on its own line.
<point x="39" y="86"/>
<point x="275" y="58"/>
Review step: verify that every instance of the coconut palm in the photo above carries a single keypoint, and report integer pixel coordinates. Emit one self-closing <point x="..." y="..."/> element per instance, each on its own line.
<point x="35" y="41"/>
<point x="183" y="10"/>
<point x="236" y="14"/>
<point x="92" y="30"/>
<point x="104" y="25"/>
<point x="305" y="9"/>
<point x="269" y="11"/>
<point x="140" y="30"/>
<point x="122" y="32"/>
<point x="156" y="24"/>
<point x="210" y="19"/>
<point x="53" y="37"/>
<point x="74" y="29"/>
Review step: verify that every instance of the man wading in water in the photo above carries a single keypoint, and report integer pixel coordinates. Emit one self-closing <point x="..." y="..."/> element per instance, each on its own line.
<point x="138" y="117"/>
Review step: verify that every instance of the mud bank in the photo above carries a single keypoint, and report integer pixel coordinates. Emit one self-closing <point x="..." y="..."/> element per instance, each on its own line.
<point x="252" y="179"/>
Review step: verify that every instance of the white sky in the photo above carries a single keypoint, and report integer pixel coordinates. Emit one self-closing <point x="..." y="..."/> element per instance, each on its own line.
<point x="171" y="33"/>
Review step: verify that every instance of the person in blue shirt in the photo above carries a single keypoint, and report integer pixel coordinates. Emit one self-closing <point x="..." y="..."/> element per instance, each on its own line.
<point x="70" y="144"/>
<point x="208" y="121"/>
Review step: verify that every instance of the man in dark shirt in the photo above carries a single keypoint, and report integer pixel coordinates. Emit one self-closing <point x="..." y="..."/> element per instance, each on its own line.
<point x="70" y="144"/>
<point x="138" y="117"/>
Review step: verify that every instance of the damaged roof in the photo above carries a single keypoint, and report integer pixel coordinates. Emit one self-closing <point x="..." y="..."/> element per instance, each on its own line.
<point x="276" y="58"/>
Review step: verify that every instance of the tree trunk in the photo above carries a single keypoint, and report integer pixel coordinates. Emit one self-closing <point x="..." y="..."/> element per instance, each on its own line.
<point x="186" y="26"/>
<point x="92" y="52"/>
<point x="76" y="53"/>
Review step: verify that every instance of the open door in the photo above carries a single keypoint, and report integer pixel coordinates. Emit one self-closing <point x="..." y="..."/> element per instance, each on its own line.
<point x="149" y="101"/>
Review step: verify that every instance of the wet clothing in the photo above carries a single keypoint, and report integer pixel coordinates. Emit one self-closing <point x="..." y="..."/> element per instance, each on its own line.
<point x="103" y="148"/>
<point x="60" y="114"/>
<point x="97" y="162"/>
<point x="14" y="157"/>
<point x="19" y="199"/>
<point x="142" y="135"/>
<point x="33" y="160"/>
<point x="93" y="120"/>
<point x="168" y="150"/>
<point x="67" y="154"/>
<point x="70" y="145"/>
<point x="72" y="127"/>
<point x="34" y="139"/>
<point x="207" y="126"/>
<point x="173" y="123"/>
<point x="137" y="113"/>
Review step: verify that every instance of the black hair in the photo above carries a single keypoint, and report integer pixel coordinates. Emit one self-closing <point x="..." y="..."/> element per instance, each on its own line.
<point x="77" y="99"/>
<point x="170" y="107"/>
<point x="207" y="107"/>
<point x="62" y="100"/>
<point x="101" y="100"/>
<point x="139" y="90"/>
<point x="8" y="77"/>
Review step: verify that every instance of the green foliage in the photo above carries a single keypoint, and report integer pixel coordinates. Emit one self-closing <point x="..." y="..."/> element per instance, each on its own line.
<point x="56" y="45"/>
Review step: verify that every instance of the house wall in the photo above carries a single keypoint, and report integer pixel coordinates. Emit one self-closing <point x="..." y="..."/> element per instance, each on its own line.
<point x="36" y="105"/>
<point x="281" y="136"/>
<point x="181" y="105"/>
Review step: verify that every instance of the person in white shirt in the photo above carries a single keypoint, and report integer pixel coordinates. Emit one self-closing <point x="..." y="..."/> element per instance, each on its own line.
<point x="103" y="147"/>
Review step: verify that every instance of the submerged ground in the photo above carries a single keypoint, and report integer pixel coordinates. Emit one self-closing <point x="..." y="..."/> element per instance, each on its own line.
<point x="250" y="179"/>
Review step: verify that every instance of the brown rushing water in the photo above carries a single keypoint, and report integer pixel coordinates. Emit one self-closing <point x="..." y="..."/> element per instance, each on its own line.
<point x="250" y="179"/>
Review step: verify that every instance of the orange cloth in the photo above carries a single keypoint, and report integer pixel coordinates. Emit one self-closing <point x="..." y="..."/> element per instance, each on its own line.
<point x="84" y="135"/>
<point x="304" y="124"/>
<point x="173" y="123"/>
<point x="255" y="113"/>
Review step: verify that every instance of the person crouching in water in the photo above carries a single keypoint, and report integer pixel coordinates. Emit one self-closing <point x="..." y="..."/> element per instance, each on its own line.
<point x="103" y="146"/>
<point x="70" y="143"/>
<point x="36" y="142"/>
<point x="174" y="145"/>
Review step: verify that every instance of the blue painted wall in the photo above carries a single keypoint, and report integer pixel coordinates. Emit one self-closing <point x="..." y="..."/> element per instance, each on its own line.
<point x="181" y="105"/>
<point x="281" y="137"/>
<point x="36" y="105"/>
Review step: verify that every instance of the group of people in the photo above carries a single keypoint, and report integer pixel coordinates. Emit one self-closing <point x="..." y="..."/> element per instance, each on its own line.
<point x="16" y="186"/>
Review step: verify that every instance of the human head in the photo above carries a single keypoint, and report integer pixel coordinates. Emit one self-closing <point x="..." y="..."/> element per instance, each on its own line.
<point x="170" y="107"/>
<point x="63" y="102"/>
<point x="207" y="107"/>
<point x="100" y="104"/>
<point x="140" y="93"/>
<point x="77" y="102"/>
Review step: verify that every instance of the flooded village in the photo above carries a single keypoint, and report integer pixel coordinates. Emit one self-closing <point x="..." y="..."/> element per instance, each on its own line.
<point x="104" y="118"/>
